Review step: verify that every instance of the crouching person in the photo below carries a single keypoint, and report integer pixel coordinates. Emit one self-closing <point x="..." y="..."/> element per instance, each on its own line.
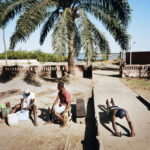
<point x="61" y="105"/>
<point x="27" y="103"/>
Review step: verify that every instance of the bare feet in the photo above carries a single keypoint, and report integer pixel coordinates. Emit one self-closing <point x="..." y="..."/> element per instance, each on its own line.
<point x="2" y="121"/>
<point x="35" y="123"/>
<point x="49" y="122"/>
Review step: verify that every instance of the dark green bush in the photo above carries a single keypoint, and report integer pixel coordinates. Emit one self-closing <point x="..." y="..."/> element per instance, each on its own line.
<point x="39" y="55"/>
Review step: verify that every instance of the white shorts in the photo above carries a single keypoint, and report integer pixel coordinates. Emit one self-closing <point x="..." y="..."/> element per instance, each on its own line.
<point x="59" y="109"/>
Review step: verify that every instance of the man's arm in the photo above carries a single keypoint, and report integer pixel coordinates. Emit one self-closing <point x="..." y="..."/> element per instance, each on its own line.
<point x="130" y="124"/>
<point x="114" y="124"/>
<point x="31" y="104"/>
<point x="21" y="102"/>
<point x="55" y="102"/>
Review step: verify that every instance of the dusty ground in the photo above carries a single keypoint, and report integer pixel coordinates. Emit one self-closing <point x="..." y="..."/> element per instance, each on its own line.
<point x="107" y="85"/>
<point x="25" y="136"/>
<point x="77" y="136"/>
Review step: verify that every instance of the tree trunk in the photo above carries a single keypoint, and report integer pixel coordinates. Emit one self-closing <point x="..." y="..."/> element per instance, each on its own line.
<point x="71" y="64"/>
<point x="4" y="45"/>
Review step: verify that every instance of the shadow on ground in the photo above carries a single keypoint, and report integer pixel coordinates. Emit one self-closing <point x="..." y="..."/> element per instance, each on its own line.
<point x="30" y="79"/>
<point x="110" y="69"/>
<point x="9" y="93"/>
<point x="90" y="141"/>
<point x="8" y="74"/>
<point x="143" y="101"/>
<point x="104" y="119"/>
<point x="113" y="75"/>
<point x="44" y="114"/>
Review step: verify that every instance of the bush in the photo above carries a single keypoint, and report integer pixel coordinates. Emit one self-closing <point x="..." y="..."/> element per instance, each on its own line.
<point x="39" y="55"/>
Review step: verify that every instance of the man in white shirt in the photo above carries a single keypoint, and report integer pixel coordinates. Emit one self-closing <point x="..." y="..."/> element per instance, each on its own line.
<point x="27" y="103"/>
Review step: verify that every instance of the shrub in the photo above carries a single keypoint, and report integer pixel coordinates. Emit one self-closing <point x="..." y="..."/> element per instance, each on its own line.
<point x="39" y="55"/>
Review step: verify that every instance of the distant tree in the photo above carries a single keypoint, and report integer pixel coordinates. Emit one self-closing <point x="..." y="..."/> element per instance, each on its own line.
<point x="72" y="29"/>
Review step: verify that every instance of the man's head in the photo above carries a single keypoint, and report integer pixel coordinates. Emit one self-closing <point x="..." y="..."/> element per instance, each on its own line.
<point x="60" y="86"/>
<point x="120" y="113"/>
<point x="27" y="92"/>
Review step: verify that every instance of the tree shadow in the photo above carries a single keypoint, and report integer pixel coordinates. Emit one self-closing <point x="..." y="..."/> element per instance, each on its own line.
<point x="110" y="69"/>
<point x="90" y="141"/>
<point x="142" y="100"/>
<point x="105" y="119"/>
<point x="9" y="93"/>
<point x="113" y="75"/>
<point x="30" y="78"/>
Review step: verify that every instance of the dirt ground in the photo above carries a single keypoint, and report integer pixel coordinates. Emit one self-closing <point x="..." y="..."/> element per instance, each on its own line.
<point x="25" y="136"/>
<point x="105" y="84"/>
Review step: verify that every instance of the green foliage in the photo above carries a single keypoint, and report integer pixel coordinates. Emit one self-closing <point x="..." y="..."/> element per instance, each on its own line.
<point x="39" y="55"/>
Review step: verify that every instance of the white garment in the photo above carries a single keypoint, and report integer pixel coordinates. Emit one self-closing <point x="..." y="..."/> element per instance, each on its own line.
<point x="59" y="109"/>
<point x="27" y="99"/>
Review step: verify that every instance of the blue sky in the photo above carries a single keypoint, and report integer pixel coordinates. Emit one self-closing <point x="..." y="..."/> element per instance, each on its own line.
<point x="139" y="29"/>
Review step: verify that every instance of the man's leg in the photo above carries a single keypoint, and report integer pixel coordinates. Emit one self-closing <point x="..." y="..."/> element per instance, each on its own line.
<point x="34" y="109"/>
<point x="58" y="110"/>
<point x="61" y="118"/>
<point x="16" y="108"/>
<point x="112" y="102"/>
<point x="107" y="104"/>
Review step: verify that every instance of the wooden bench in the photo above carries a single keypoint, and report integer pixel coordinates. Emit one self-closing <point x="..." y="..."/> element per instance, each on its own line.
<point x="80" y="111"/>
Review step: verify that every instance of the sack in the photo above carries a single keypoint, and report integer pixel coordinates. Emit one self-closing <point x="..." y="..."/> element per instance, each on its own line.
<point x="23" y="115"/>
<point x="5" y="112"/>
<point x="12" y="119"/>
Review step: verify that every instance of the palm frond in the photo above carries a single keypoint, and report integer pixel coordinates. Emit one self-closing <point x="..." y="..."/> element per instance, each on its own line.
<point x="119" y="8"/>
<point x="114" y="27"/>
<point x="77" y="41"/>
<point x="90" y="34"/>
<point x="12" y="8"/>
<point x="27" y="23"/>
<point x="63" y="32"/>
<point x="48" y="25"/>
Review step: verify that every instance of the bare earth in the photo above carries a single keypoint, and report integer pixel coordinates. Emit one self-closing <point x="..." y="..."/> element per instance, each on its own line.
<point x="107" y="85"/>
<point x="26" y="136"/>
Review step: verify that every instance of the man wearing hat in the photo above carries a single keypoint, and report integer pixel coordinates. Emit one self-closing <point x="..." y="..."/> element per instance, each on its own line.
<point x="27" y="103"/>
<point x="115" y="111"/>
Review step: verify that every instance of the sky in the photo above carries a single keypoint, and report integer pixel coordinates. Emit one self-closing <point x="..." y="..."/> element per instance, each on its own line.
<point x="139" y="30"/>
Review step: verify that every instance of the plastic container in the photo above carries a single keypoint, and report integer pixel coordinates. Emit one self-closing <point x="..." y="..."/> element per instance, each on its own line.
<point x="23" y="115"/>
<point x="12" y="119"/>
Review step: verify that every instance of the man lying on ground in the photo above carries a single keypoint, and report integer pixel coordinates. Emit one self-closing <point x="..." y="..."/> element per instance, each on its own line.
<point x="61" y="104"/>
<point x="114" y="111"/>
<point x="27" y="103"/>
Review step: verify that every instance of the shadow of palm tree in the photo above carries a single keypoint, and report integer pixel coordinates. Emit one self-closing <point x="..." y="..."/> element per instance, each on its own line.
<point x="30" y="79"/>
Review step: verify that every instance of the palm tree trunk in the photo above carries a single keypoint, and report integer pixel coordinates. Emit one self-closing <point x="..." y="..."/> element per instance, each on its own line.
<point x="3" y="29"/>
<point x="71" y="64"/>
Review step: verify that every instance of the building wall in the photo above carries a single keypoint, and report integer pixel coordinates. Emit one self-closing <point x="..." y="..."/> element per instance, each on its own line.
<point x="138" y="57"/>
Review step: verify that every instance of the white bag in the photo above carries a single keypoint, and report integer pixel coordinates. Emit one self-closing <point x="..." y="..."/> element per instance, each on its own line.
<point x="23" y="115"/>
<point x="12" y="119"/>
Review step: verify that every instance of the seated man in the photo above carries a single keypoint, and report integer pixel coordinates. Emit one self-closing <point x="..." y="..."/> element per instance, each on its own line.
<point x="114" y="111"/>
<point x="61" y="104"/>
<point x="27" y="103"/>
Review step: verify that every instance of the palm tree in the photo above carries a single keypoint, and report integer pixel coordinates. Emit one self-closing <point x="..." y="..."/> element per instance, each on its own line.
<point x="3" y="30"/>
<point x="72" y="28"/>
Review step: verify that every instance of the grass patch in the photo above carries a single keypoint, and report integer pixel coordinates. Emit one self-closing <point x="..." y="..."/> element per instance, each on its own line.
<point x="139" y="86"/>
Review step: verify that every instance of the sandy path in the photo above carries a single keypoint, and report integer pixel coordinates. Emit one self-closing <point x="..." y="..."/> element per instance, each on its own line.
<point x="107" y="85"/>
